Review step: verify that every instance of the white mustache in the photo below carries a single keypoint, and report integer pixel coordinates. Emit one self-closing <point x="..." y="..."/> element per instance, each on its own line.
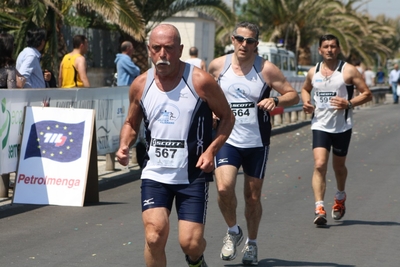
<point x="163" y="62"/>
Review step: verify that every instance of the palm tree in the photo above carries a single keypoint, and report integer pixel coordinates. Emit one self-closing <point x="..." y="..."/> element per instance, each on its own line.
<point x="156" y="11"/>
<point x="134" y="18"/>
<point x="22" y="15"/>
<point x="360" y="35"/>
<point x="299" y="22"/>
<point x="393" y="41"/>
<point x="295" y="22"/>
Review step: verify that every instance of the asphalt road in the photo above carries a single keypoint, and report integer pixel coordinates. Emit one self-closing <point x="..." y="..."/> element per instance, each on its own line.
<point x="110" y="234"/>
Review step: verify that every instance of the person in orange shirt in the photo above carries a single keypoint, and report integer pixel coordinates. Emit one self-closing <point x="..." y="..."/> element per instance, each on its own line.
<point x="73" y="66"/>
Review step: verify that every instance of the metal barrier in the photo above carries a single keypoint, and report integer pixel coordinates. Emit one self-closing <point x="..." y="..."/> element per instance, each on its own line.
<point x="111" y="106"/>
<point x="295" y="114"/>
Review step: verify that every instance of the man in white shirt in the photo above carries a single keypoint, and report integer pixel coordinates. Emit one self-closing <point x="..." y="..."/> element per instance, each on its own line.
<point x="194" y="60"/>
<point x="333" y="82"/>
<point x="393" y="78"/>
<point x="28" y="61"/>
<point x="369" y="77"/>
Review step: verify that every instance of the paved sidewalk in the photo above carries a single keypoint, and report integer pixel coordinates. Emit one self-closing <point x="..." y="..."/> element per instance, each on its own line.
<point x="104" y="175"/>
<point x="121" y="171"/>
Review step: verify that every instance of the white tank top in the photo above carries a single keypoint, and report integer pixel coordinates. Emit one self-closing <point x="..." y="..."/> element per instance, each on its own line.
<point x="252" y="126"/>
<point x="194" y="61"/>
<point x="325" y="117"/>
<point x="178" y="127"/>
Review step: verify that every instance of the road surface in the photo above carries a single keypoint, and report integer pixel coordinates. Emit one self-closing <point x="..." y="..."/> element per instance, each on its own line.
<point x="110" y="234"/>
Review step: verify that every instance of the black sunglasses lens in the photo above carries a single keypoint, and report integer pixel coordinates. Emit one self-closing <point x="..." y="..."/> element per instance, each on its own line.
<point x="239" y="38"/>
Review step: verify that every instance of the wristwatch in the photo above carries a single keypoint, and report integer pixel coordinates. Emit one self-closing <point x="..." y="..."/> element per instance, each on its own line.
<point x="276" y="100"/>
<point x="349" y="105"/>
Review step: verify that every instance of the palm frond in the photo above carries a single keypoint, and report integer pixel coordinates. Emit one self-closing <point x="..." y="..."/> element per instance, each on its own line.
<point x="123" y="13"/>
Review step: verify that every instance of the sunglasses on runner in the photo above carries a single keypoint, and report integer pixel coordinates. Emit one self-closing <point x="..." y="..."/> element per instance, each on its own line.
<point x="241" y="39"/>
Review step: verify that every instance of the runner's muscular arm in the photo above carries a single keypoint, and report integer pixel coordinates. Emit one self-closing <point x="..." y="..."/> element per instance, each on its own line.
<point x="203" y="65"/>
<point x="353" y="76"/>
<point x="306" y="92"/>
<point x="80" y="65"/>
<point x="215" y="69"/>
<point x="210" y="92"/>
<point x="274" y="77"/>
<point x="131" y="126"/>
<point x="216" y="66"/>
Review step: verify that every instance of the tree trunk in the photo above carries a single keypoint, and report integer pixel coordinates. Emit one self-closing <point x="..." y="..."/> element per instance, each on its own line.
<point x="304" y="56"/>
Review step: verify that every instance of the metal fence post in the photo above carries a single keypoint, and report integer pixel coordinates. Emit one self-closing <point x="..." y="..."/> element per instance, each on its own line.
<point x="4" y="184"/>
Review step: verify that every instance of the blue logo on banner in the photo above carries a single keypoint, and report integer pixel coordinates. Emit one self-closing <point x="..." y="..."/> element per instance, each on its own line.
<point x="55" y="140"/>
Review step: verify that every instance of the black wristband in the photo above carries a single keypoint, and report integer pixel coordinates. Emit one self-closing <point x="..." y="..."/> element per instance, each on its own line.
<point x="276" y="100"/>
<point x="349" y="105"/>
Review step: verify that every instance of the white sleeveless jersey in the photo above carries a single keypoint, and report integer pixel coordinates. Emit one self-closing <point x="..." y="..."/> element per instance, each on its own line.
<point x="325" y="117"/>
<point x="194" y="61"/>
<point x="252" y="126"/>
<point x="178" y="130"/>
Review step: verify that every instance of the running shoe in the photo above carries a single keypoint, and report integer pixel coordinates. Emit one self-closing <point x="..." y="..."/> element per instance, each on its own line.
<point x="320" y="216"/>
<point x="250" y="254"/>
<point x="201" y="263"/>
<point x="338" y="209"/>
<point x="231" y="241"/>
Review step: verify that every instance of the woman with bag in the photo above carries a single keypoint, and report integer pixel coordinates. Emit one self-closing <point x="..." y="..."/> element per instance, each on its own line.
<point x="9" y="76"/>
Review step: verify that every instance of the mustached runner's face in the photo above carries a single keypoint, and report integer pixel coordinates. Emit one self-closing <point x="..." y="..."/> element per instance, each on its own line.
<point x="165" y="49"/>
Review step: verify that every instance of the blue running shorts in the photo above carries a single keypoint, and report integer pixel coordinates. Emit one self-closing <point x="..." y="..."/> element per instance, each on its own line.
<point x="190" y="199"/>
<point x="253" y="160"/>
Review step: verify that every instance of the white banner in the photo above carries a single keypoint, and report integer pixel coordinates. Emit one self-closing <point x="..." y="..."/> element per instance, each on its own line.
<point x="110" y="104"/>
<point x="54" y="159"/>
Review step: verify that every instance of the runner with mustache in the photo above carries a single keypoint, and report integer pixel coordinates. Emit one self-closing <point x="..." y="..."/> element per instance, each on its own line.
<point x="176" y="102"/>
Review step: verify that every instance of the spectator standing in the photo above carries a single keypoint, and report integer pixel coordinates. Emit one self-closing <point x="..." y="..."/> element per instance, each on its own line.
<point x="195" y="60"/>
<point x="360" y="70"/>
<point x="176" y="101"/>
<point x="393" y="79"/>
<point x="9" y="76"/>
<point x="73" y="66"/>
<point x="28" y="61"/>
<point x="369" y="77"/>
<point x="333" y="82"/>
<point x="247" y="80"/>
<point x="127" y="71"/>
<point x="380" y="76"/>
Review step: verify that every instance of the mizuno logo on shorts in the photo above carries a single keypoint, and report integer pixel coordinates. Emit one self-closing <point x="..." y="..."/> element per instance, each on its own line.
<point x="148" y="202"/>
<point x="224" y="160"/>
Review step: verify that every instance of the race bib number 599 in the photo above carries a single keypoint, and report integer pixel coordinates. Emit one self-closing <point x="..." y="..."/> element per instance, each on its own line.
<point x="323" y="99"/>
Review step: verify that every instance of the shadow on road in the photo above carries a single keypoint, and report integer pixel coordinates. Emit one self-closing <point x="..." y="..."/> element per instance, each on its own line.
<point x="104" y="184"/>
<point x="7" y="211"/>
<point x="358" y="222"/>
<point x="278" y="262"/>
<point x="289" y="128"/>
<point x="119" y="180"/>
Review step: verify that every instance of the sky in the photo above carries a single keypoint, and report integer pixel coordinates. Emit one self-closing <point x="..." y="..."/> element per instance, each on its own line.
<point x="390" y="8"/>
